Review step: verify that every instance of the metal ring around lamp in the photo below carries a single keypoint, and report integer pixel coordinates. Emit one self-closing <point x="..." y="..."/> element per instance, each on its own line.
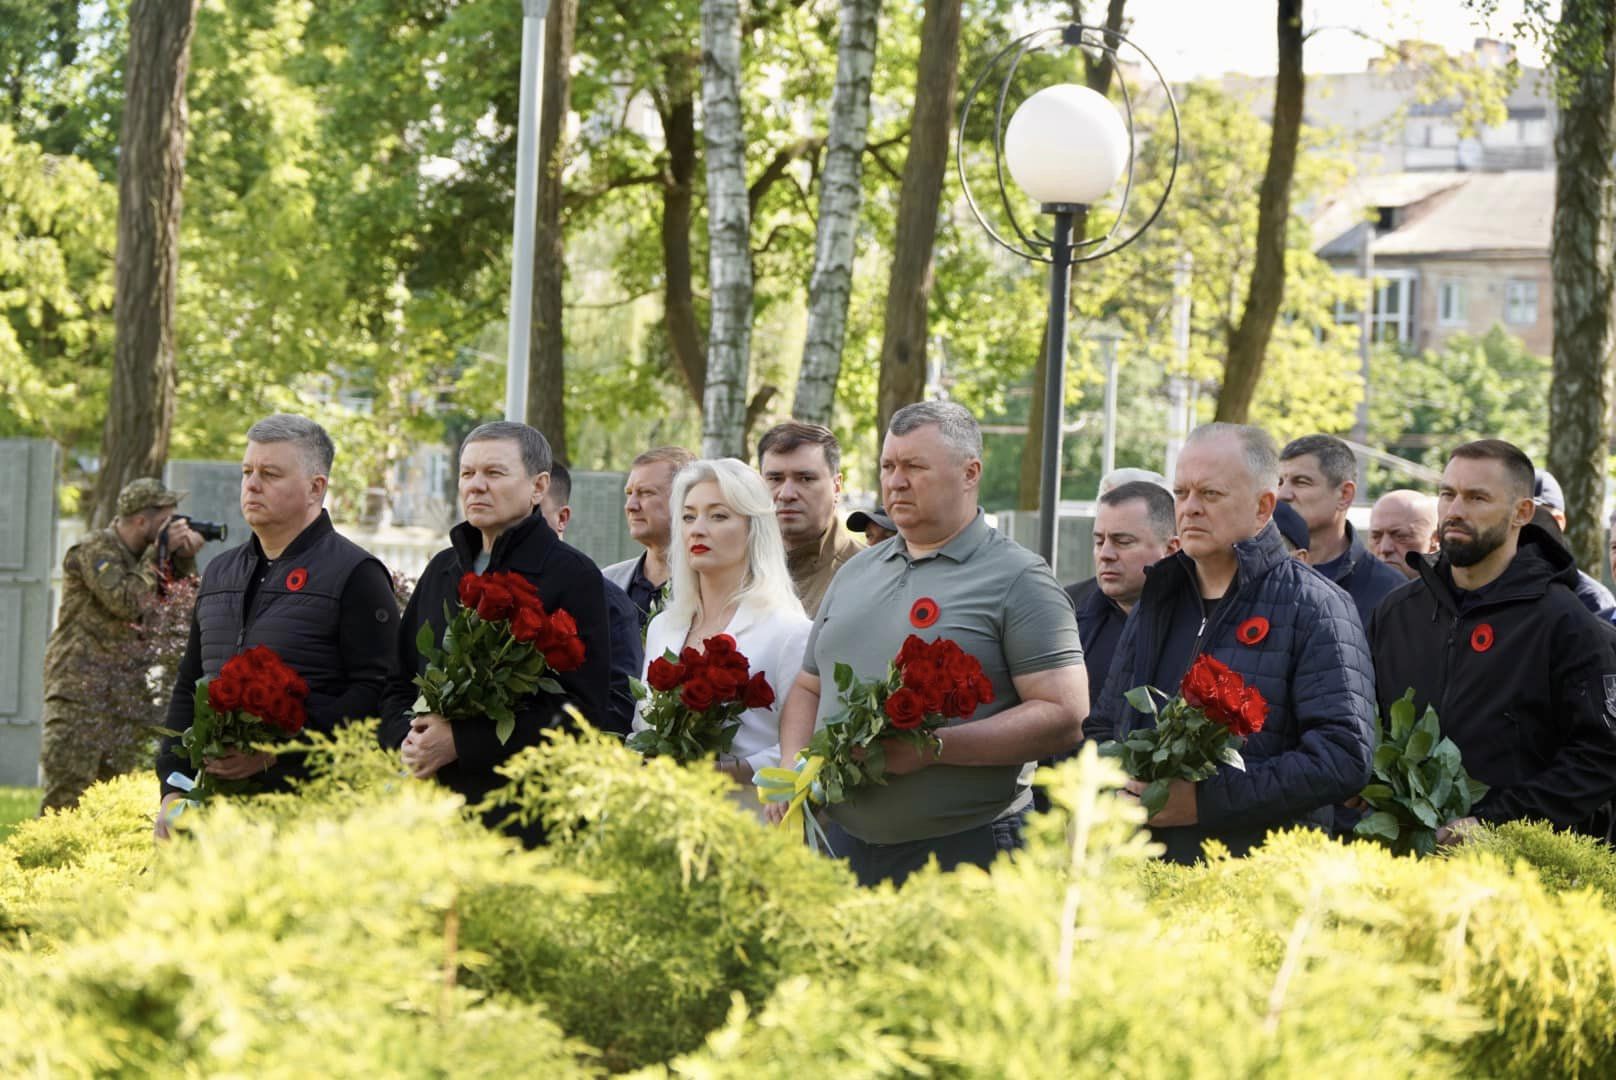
<point x="1071" y="34"/>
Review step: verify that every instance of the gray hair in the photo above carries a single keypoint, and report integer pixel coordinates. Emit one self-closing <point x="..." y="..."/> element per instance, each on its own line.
<point x="954" y="423"/>
<point x="310" y="438"/>
<point x="1262" y="459"/>
<point x="535" y="448"/>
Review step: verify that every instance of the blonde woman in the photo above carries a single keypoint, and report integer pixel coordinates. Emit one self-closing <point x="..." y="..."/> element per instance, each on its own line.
<point x="729" y="576"/>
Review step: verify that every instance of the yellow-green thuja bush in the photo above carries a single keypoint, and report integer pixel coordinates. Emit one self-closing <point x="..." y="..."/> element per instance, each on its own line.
<point x="368" y="925"/>
<point x="1054" y="965"/>
<point x="697" y="901"/>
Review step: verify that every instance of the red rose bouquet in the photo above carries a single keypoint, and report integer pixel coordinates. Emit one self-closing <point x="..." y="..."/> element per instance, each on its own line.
<point x="255" y="699"/>
<point x="694" y="700"/>
<point x="926" y="685"/>
<point x="1196" y="732"/>
<point x="497" y="649"/>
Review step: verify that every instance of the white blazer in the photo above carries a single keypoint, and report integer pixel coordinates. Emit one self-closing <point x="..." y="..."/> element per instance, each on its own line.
<point x="772" y="642"/>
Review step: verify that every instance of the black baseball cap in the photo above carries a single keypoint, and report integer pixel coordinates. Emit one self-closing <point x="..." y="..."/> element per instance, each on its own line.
<point x="858" y="520"/>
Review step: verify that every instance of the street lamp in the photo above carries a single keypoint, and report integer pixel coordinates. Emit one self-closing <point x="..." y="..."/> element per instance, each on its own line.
<point x="1066" y="147"/>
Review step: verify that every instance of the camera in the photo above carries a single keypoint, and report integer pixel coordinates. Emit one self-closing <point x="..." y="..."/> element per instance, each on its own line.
<point x="208" y="530"/>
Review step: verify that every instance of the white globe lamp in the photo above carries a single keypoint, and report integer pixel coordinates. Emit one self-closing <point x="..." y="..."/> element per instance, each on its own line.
<point x="1066" y="146"/>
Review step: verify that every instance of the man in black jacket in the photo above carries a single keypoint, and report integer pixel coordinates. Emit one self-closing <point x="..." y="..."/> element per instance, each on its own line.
<point x="1522" y="676"/>
<point x="1318" y="477"/>
<point x="504" y="472"/>
<point x="321" y="602"/>
<point x="1233" y="593"/>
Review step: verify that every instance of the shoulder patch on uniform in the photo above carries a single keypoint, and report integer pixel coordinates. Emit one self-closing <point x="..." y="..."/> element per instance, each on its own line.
<point x="102" y="564"/>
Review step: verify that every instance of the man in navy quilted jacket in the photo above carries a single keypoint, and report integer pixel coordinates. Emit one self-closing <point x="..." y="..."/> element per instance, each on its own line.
<point x="1232" y="592"/>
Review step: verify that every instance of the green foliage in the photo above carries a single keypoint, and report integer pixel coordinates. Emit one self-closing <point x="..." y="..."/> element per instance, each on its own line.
<point x="16" y="805"/>
<point x="369" y="925"/>
<point x="697" y="902"/>
<point x="1419" y="785"/>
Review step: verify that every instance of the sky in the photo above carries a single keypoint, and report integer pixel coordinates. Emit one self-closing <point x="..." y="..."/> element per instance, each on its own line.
<point x="1191" y="39"/>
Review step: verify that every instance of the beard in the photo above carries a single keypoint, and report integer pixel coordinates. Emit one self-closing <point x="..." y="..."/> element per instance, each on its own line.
<point x="1482" y="543"/>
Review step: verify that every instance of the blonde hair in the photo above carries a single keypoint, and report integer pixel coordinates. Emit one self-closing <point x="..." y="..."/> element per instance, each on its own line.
<point x="766" y="585"/>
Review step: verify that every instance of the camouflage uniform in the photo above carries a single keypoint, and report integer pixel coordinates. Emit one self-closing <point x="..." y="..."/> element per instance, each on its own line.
<point x="106" y="590"/>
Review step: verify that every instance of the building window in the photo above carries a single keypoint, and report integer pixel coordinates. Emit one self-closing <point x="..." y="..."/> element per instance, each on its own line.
<point x="1394" y="308"/>
<point x="1520" y="303"/>
<point x="1450" y="303"/>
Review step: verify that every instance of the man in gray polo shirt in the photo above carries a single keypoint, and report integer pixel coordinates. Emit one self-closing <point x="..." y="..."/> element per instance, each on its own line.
<point x="945" y="575"/>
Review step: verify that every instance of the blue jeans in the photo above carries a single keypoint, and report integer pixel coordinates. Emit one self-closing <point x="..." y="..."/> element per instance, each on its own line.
<point x="875" y="863"/>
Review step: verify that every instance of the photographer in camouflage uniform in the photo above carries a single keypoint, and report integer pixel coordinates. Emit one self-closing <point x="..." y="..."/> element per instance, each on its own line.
<point x="110" y="579"/>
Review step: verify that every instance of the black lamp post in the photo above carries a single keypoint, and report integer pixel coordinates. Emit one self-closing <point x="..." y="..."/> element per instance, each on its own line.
<point x="1066" y="146"/>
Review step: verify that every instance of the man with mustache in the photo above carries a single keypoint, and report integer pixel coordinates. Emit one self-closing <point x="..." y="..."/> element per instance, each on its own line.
<point x="1491" y="634"/>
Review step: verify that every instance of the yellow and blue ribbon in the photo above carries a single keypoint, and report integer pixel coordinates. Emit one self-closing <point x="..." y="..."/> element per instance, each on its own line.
<point x="799" y="787"/>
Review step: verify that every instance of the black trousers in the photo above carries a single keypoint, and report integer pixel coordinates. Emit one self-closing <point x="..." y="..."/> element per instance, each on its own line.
<point x="875" y="863"/>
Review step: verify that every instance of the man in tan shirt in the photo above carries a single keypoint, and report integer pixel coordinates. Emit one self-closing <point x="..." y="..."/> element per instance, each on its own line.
<point x="802" y="465"/>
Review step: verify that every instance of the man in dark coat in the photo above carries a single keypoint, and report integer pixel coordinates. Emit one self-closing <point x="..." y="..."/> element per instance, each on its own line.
<point x="1233" y="593"/>
<point x="1492" y="635"/>
<point x="321" y="602"/>
<point x="1318" y="477"/>
<point x="1550" y="501"/>
<point x="504" y="471"/>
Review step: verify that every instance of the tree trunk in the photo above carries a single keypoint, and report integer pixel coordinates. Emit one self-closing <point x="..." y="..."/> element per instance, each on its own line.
<point x="840" y="193"/>
<point x="1583" y="264"/>
<point x="547" y="378"/>
<point x="678" y="295"/>
<point x="729" y="228"/>
<point x="151" y="170"/>
<point x="903" y="337"/>
<point x="1097" y="75"/>
<point x="1248" y="342"/>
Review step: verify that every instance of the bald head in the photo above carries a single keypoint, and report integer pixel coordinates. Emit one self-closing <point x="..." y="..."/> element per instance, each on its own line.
<point x="1402" y="521"/>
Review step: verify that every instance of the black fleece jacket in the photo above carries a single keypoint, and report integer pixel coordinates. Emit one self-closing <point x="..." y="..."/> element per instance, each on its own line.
<point x="1522" y="676"/>
<point x="567" y="580"/>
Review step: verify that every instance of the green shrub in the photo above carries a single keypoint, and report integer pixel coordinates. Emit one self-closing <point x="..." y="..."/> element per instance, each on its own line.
<point x="16" y="804"/>
<point x="696" y="901"/>
<point x="314" y="945"/>
<point x="1563" y="861"/>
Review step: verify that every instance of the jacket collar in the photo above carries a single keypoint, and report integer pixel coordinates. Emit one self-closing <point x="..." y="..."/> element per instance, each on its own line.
<point x="521" y="546"/>
<point x="808" y="558"/>
<point x="1538" y="562"/>
<point x="317" y="529"/>
<point x="1254" y="558"/>
<point x="1338" y="568"/>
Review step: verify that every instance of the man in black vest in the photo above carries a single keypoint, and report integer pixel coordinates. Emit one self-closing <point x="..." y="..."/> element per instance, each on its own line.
<point x="321" y="602"/>
<point x="504" y="474"/>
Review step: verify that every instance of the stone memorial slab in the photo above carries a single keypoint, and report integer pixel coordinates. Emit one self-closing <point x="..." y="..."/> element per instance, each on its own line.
<point x="598" y="528"/>
<point x="215" y="495"/>
<point x="27" y="555"/>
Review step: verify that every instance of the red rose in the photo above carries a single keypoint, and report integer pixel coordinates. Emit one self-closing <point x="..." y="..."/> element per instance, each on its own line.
<point x="697" y="694"/>
<point x="256" y="698"/>
<point x="563" y="624"/>
<point x="913" y="649"/>
<point x="759" y="694"/>
<point x="984" y="688"/>
<point x="523" y="589"/>
<point x="959" y="703"/>
<point x="1253" y="712"/>
<point x="727" y="682"/>
<point x="720" y="645"/>
<point x="497" y="602"/>
<point x="567" y="655"/>
<point x="692" y="660"/>
<point x="471" y="590"/>
<point x="905" y="709"/>
<point x="529" y="624"/>
<point x="737" y="663"/>
<point x="224" y="694"/>
<point x="1200" y="685"/>
<point x="663" y="675"/>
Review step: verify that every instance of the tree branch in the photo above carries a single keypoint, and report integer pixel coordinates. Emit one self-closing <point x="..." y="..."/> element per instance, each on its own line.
<point x="776" y="168"/>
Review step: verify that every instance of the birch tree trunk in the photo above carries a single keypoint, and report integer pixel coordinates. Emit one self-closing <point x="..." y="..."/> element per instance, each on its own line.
<point x="840" y="195"/>
<point x="729" y="226"/>
<point x="1583" y="265"/>
<point x="151" y="171"/>
<point x="903" y="338"/>
<point x="547" y="377"/>
<point x="1248" y="341"/>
